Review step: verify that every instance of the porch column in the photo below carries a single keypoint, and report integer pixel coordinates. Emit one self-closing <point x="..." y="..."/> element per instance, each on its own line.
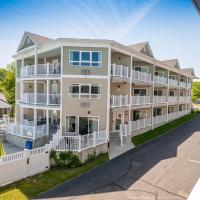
<point x="47" y="121"/>
<point x="36" y="60"/>
<point x="35" y="91"/>
<point x="167" y="93"/>
<point x="152" y="99"/>
<point x="35" y="123"/>
<point x="48" y="92"/>
<point x="21" y="114"/>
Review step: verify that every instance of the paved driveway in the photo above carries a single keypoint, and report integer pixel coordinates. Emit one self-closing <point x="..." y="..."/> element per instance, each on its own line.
<point x="164" y="169"/>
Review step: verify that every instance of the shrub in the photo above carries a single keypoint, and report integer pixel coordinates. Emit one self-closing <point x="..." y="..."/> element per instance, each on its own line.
<point x="54" y="157"/>
<point x="74" y="162"/>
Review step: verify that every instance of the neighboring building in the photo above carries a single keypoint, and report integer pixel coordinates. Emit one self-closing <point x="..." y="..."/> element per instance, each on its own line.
<point x="4" y="107"/>
<point x="81" y="86"/>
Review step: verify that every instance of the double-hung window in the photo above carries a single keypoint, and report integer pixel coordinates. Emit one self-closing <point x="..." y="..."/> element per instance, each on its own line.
<point x="85" y="91"/>
<point x="85" y="58"/>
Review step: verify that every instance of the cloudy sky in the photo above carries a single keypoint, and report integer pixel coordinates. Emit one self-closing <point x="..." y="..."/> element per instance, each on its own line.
<point x="172" y="27"/>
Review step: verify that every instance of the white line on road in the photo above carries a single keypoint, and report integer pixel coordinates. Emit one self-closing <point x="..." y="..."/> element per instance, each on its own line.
<point x="196" y="161"/>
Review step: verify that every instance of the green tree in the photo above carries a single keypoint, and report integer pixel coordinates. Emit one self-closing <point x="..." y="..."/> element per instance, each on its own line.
<point x="195" y="91"/>
<point x="7" y="84"/>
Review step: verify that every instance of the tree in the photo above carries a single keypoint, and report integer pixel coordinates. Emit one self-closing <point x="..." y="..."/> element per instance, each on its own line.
<point x="7" y="84"/>
<point x="195" y="91"/>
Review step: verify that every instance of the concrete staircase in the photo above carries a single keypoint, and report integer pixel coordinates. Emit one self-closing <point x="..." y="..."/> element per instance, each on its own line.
<point x="115" y="148"/>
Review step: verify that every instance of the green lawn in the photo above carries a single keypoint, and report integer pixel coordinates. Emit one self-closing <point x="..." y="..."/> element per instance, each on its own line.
<point x="2" y="151"/>
<point x="35" y="185"/>
<point x="149" y="135"/>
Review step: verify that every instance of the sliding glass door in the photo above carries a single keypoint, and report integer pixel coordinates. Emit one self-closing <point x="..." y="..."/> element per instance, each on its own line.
<point x="88" y="125"/>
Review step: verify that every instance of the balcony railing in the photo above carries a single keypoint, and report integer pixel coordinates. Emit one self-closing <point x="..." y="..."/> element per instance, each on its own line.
<point x="172" y="99"/>
<point x="173" y="82"/>
<point x="119" y="71"/>
<point x="32" y="132"/>
<point x="159" y="99"/>
<point x="140" y="123"/>
<point x="173" y="115"/>
<point x="118" y="101"/>
<point x="189" y="85"/>
<point x="183" y="84"/>
<point x="141" y="100"/>
<point x="183" y="99"/>
<point x="79" y="142"/>
<point x="40" y="98"/>
<point x="40" y="70"/>
<point x="159" y="119"/>
<point x="182" y="112"/>
<point x="141" y="76"/>
<point x="160" y="80"/>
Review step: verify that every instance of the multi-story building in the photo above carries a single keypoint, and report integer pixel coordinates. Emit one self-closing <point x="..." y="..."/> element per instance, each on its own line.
<point x="79" y="87"/>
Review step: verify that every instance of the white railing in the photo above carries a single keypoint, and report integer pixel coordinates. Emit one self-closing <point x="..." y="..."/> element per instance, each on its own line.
<point x="139" y="124"/>
<point x="40" y="69"/>
<point x="141" y="100"/>
<point x="183" y="84"/>
<point x="119" y="71"/>
<point x="160" y="79"/>
<point x="23" y="130"/>
<point x="159" y="119"/>
<point x="173" y="115"/>
<point x="79" y="142"/>
<point x="173" y="82"/>
<point x="183" y="99"/>
<point x="141" y="76"/>
<point x="183" y="112"/>
<point x="3" y="123"/>
<point x="159" y="99"/>
<point x="118" y="101"/>
<point x="172" y="99"/>
<point x="40" y="98"/>
<point x="189" y="85"/>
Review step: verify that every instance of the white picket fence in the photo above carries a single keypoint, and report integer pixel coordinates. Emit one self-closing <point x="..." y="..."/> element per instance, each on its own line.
<point x="23" y="164"/>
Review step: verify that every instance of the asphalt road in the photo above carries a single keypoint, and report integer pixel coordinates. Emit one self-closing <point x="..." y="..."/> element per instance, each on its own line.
<point x="166" y="168"/>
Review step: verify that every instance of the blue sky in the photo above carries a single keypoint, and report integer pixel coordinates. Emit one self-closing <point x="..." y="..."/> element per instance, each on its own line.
<point x="172" y="27"/>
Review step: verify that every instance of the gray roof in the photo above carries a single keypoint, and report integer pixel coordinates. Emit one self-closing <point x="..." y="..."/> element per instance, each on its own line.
<point x="38" y="39"/>
<point x="172" y="63"/>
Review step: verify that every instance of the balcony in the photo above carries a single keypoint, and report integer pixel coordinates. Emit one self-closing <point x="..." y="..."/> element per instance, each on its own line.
<point x="183" y="99"/>
<point x="172" y="115"/>
<point x="182" y="112"/>
<point x="119" y="71"/>
<point x="160" y="80"/>
<point x="27" y="131"/>
<point x="29" y="71"/>
<point x="183" y="84"/>
<point x="140" y="124"/>
<point x="159" y="119"/>
<point x="159" y="99"/>
<point x="172" y="99"/>
<point x="189" y="86"/>
<point x="141" y="76"/>
<point x="40" y="98"/>
<point x="141" y="100"/>
<point x="173" y="83"/>
<point x="118" y="101"/>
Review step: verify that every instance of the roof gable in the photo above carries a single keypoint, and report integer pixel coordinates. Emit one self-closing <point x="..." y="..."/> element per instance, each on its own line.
<point x="31" y="39"/>
<point x="143" y="47"/>
<point x="172" y="63"/>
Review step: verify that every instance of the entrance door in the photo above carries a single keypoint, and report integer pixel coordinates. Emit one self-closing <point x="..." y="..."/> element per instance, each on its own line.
<point x="117" y="121"/>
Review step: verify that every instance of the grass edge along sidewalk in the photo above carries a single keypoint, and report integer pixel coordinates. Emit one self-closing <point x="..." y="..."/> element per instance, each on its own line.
<point x="35" y="185"/>
<point x="162" y="130"/>
<point x="2" y="150"/>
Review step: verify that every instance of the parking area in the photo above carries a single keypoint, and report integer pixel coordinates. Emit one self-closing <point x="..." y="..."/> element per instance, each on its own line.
<point x="166" y="168"/>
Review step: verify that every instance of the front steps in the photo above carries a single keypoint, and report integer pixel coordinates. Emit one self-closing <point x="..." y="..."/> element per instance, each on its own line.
<point x="115" y="148"/>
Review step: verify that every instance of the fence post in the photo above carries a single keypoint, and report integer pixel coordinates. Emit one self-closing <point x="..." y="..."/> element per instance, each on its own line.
<point x="79" y="143"/>
<point x="94" y="138"/>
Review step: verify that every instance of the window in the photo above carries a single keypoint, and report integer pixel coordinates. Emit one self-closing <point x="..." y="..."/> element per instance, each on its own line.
<point x="159" y="73"/>
<point x="88" y="91"/>
<point x="173" y="77"/>
<point x="70" y="124"/>
<point x="181" y="93"/>
<point x="85" y="58"/>
<point x="171" y="109"/>
<point x="139" y="92"/>
<point x="171" y="93"/>
<point x="157" y="112"/>
<point x="158" y="92"/>
<point x="141" y="69"/>
<point x="180" y="107"/>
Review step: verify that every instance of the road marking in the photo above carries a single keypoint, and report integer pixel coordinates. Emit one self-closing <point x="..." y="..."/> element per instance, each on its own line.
<point x="195" y="161"/>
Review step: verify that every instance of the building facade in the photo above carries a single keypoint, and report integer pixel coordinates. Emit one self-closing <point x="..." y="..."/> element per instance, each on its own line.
<point x="78" y="87"/>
